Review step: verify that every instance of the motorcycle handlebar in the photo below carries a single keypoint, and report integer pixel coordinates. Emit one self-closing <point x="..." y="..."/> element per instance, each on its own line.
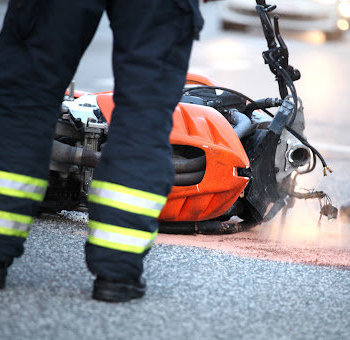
<point x="266" y="24"/>
<point x="277" y="54"/>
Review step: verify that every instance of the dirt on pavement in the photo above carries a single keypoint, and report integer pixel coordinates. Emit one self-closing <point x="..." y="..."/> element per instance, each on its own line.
<point x="300" y="240"/>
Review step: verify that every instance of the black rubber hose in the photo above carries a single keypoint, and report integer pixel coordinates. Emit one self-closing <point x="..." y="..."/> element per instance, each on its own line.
<point x="242" y="124"/>
<point x="188" y="179"/>
<point x="183" y="165"/>
<point x="264" y="103"/>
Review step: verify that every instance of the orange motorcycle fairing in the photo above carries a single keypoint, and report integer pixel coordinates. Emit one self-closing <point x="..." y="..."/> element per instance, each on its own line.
<point x="106" y="104"/>
<point x="195" y="79"/>
<point x="205" y="128"/>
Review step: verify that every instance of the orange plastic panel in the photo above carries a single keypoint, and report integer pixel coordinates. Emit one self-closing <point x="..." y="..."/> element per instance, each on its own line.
<point x="205" y="128"/>
<point x="195" y="79"/>
<point x="106" y="104"/>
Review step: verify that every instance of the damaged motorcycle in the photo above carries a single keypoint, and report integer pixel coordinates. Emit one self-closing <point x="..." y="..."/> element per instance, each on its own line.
<point x="232" y="156"/>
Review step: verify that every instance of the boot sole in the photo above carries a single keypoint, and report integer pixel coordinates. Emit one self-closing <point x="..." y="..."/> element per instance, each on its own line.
<point x="119" y="293"/>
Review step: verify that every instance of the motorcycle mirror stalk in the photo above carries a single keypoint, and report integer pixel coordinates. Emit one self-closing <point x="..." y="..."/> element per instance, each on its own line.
<point x="71" y="91"/>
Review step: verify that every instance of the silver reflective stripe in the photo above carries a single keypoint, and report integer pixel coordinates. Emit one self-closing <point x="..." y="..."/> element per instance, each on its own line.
<point x="126" y="199"/>
<point x="14" y="225"/>
<point x="120" y="238"/>
<point x="9" y="184"/>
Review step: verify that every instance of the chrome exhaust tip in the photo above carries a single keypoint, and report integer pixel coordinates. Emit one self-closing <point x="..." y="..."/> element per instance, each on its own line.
<point x="299" y="156"/>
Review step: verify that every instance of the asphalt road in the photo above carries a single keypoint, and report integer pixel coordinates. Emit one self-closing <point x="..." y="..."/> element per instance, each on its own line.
<point x="193" y="292"/>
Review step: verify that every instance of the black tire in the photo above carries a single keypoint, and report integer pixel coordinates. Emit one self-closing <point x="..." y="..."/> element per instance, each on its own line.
<point x="247" y="216"/>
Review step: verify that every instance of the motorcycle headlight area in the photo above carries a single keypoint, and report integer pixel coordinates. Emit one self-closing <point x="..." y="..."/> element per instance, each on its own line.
<point x="84" y="108"/>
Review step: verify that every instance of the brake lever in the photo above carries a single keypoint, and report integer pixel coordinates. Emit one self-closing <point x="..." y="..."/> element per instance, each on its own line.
<point x="284" y="60"/>
<point x="278" y="33"/>
<point x="283" y="54"/>
<point x="267" y="26"/>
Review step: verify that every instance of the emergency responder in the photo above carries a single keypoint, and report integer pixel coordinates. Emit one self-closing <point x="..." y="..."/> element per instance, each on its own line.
<point x="41" y="44"/>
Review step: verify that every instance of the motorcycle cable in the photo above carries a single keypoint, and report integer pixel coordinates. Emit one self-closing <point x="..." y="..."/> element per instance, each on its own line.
<point x="294" y="133"/>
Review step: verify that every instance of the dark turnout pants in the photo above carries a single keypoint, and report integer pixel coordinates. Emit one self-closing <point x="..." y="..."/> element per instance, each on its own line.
<point x="41" y="44"/>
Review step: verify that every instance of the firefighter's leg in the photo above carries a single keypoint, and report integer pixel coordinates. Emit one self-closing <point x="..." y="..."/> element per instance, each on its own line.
<point x="152" y="44"/>
<point x="41" y="44"/>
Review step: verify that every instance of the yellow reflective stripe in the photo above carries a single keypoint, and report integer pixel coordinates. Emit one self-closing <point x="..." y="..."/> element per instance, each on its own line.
<point x="22" y="186"/>
<point x="120" y="238"/>
<point x="123" y="206"/>
<point x="125" y="199"/>
<point x="13" y="232"/>
<point x="16" y="217"/>
<point x="116" y="246"/>
<point x="21" y="194"/>
<point x="12" y="224"/>
<point x="121" y="230"/>
<point x="23" y="179"/>
<point x="133" y="192"/>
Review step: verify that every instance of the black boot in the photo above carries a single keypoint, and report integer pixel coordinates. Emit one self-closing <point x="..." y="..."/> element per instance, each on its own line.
<point x="118" y="291"/>
<point x="3" y="274"/>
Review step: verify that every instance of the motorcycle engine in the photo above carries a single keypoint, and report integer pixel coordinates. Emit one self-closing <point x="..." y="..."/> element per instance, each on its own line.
<point x="80" y="133"/>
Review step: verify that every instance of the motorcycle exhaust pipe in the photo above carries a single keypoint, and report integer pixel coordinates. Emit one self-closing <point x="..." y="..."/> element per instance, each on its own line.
<point x="299" y="156"/>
